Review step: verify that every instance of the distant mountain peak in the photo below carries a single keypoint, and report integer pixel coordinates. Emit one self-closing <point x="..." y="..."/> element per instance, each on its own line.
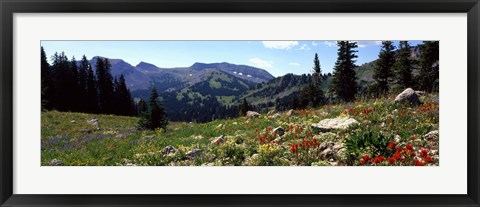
<point x="141" y="64"/>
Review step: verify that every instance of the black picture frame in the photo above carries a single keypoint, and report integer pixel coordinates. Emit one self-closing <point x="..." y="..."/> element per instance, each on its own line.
<point x="9" y="7"/>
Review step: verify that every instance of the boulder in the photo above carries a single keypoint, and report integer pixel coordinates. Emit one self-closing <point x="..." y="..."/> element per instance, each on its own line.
<point x="168" y="149"/>
<point x="290" y="112"/>
<point x="431" y="136"/>
<point x="94" y="122"/>
<point x="408" y="96"/>
<point x="194" y="152"/>
<point x="271" y="112"/>
<point x="279" y="131"/>
<point x="276" y="115"/>
<point x="335" y="123"/>
<point x="55" y="162"/>
<point x="252" y="114"/>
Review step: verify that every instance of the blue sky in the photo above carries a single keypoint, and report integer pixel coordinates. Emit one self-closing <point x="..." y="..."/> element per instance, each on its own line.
<point x="277" y="57"/>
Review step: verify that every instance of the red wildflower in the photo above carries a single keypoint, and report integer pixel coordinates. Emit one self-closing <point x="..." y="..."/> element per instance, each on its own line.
<point x="399" y="149"/>
<point x="391" y="160"/>
<point x="424" y="153"/>
<point x="295" y="135"/>
<point x="392" y="145"/>
<point x="294" y="148"/>
<point x="397" y="155"/>
<point x="409" y="147"/>
<point x="362" y="161"/>
<point x="418" y="163"/>
<point x="427" y="159"/>
<point x="365" y="158"/>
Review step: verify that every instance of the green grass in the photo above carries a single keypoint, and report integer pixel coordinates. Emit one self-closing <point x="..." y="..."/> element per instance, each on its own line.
<point x="247" y="141"/>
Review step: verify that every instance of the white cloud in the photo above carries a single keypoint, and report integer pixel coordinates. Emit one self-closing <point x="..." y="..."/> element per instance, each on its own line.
<point x="367" y="43"/>
<point x="294" y="64"/>
<point x="314" y="43"/>
<point x="280" y="45"/>
<point x="304" y="47"/>
<point x="261" y="63"/>
<point x="249" y="76"/>
<point x="330" y="43"/>
<point x="240" y="73"/>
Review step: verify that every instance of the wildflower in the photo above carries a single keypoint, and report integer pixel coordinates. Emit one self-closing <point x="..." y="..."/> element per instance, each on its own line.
<point x="365" y="158"/>
<point x="391" y="160"/>
<point x="295" y="135"/>
<point x="392" y="145"/>
<point x="409" y="147"/>
<point x="418" y="163"/>
<point x="427" y="159"/>
<point x="294" y="148"/>
<point x="378" y="159"/>
<point x="424" y="153"/>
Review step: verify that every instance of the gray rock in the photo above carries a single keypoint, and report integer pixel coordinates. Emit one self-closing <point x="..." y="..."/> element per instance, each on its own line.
<point x="420" y="93"/>
<point x="218" y="140"/>
<point x="431" y="136"/>
<point x="194" y="152"/>
<point x="326" y="146"/>
<point x="408" y="95"/>
<point x="271" y="112"/>
<point x="278" y="140"/>
<point x="55" y="162"/>
<point x="94" y="122"/>
<point x="252" y="114"/>
<point x="168" y="149"/>
<point x="336" y="123"/>
<point x="290" y="112"/>
<point x="276" y="115"/>
<point x="279" y="131"/>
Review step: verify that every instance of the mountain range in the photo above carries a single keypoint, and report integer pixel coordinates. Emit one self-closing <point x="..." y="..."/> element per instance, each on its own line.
<point x="143" y="75"/>
<point x="191" y="91"/>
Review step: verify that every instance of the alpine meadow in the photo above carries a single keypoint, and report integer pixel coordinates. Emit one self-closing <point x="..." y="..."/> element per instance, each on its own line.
<point x="240" y="103"/>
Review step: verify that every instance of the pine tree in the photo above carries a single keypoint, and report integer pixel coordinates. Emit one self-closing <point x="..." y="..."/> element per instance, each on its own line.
<point x="142" y="107"/>
<point x="47" y="83"/>
<point x="124" y="101"/>
<point x="403" y="65"/>
<point x="383" y="72"/>
<point x="92" y="93"/>
<point x="244" y="107"/>
<point x="105" y="86"/>
<point x="344" y="83"/>
<point x="156" y="117"/>
<point x="317" y="72"/>
<point x="429" y="65"/>
<point x="75" y="90"/>
<point x="82" y="82"/>
<point x="63" y="78"/>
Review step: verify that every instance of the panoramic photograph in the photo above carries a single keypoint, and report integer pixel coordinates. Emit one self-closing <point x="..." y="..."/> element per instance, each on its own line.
<point x="240" y="103"/>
